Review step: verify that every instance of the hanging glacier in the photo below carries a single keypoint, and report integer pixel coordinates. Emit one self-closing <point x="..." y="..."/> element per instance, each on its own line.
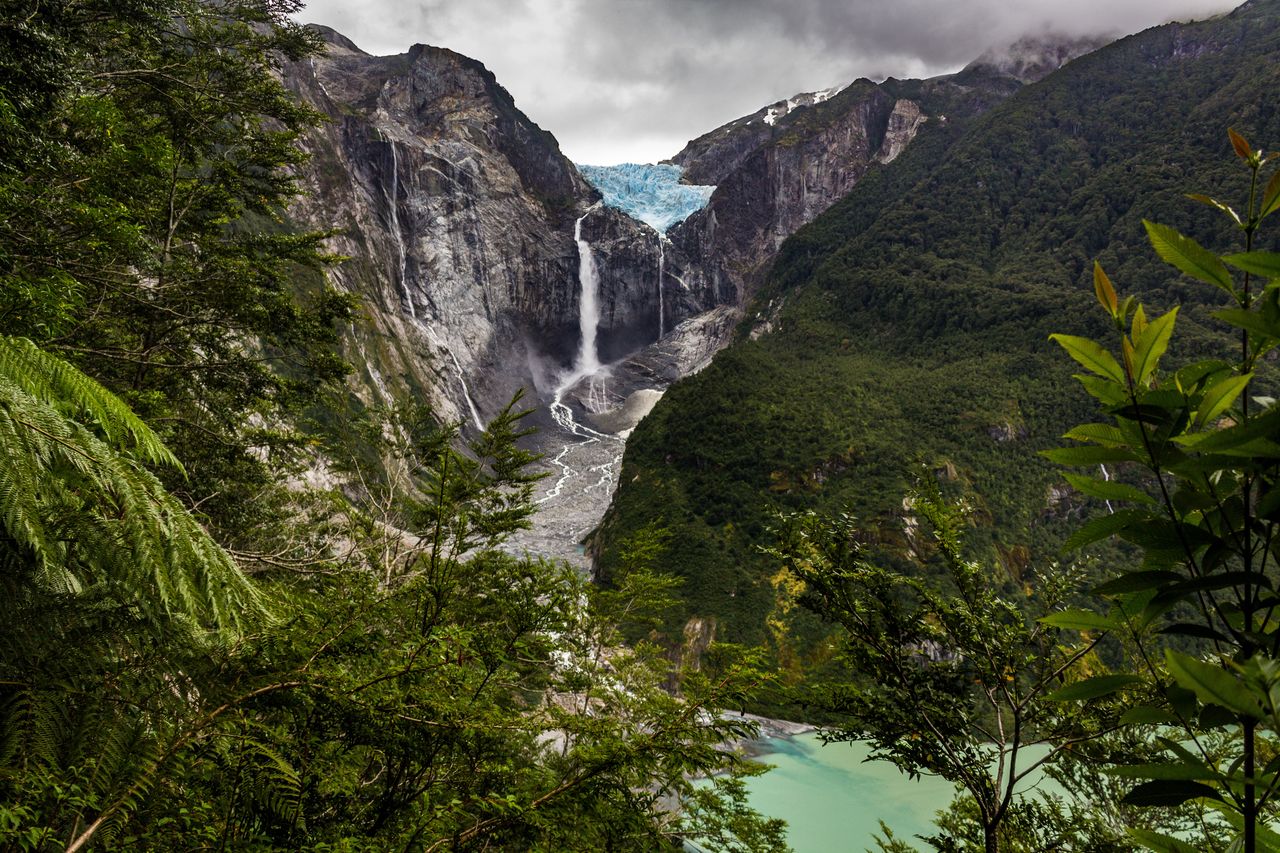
<point x="651" y="193"/>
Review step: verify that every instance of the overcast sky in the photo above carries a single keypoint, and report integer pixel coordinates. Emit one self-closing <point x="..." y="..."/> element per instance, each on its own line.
<point x="633" y="80"/>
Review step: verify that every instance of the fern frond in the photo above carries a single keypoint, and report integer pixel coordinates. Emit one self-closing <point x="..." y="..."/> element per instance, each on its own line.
<point x="275" y="785"/>
<point x="78" y="396"/>
<point x="87" y="515"/>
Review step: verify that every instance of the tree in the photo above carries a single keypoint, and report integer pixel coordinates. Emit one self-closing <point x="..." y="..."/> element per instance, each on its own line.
<point x="108" y="581"/>
<point x="943" y="674"/>
<point x="147" y="149"/>
<point x="458" y="698"/>
<point x="150" y="346"/>
<point x="1200" y="443"/>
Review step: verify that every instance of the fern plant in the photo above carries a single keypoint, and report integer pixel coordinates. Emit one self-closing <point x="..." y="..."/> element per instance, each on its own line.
<point x="80" y="511"/>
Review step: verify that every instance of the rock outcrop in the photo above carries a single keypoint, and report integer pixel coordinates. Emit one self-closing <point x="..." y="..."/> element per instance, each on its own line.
<point x="458" y="215"/>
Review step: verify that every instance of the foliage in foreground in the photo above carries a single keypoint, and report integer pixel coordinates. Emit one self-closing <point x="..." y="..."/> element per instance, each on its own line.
<point x="1201" y="445"/>
<point x="1173" y="747"/>
<point x="193" y="654"/>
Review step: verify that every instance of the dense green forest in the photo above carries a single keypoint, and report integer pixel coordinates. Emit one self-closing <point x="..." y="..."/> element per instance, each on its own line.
<point x="911" y="323"/>
<point x="199" y="652"/>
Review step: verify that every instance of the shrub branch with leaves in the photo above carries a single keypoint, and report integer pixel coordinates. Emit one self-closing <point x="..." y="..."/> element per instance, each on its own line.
<point x="1199" y="447"/>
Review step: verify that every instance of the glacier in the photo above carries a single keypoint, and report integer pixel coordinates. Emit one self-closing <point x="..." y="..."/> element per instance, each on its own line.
<point x="651" y="193"/>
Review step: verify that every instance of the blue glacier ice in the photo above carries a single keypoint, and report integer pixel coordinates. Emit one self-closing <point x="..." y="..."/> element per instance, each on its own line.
<point x="650" y="193"/>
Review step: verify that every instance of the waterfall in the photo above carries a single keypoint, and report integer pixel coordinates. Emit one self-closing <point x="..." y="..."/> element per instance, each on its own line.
<point x="588" y="307"/>
<point x="662" y="262"/>
<point x="1106" y="475"/>
<point x="466" y="394"/>
<point x="587" y="366"/>
<point x="393" y="206"/>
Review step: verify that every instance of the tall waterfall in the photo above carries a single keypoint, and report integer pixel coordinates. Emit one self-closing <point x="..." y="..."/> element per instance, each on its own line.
<point x="393" y="207"/>
<point x="587" y="366"/>
<point x="662" y="263"/>
<point x="588" y="303"/>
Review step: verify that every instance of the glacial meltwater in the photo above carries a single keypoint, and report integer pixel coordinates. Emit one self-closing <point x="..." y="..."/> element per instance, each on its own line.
<point x="833" y="799"/>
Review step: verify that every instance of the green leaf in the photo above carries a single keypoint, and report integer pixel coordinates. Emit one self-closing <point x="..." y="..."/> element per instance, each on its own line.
<point x="1191" y="629"/>
<point x="1148" y="715"/>
<point x="1189" y="256"/>
<point x="1212" y="683"/>
<point x="1155" y="415"/>
<point x="1183" y="771"/>
<point x="1168" y="792"/>
<point x="1109" y="392"/>
<point x="1216" y="717"/>
<point x="1198" y="373"/>
<point x="1208" y="583"/>
<point x="1137" y="582"/>
<point x="1107" y="490"/>
<point x="1219" y="397"/>
<point x="1102" y="287"/>
<point x="1104" y="526"/>
<point x="1079" y="620"/>
<point x="1263" y="426"/>
<point x="1104" y="434"/>
<point x="1093" y="688"/>
<point x="1153" y="343"/>
<point x="1271" y="198"/>
<point x="1090" y="456"/>
<point x="1265" y="264"/>
<point x="1091" y="356"/>
<point x="1160" y="843"/>
<point x="1216" y="205"/>
<point x="1250" y="321"/>
<point x="1269" y="505"/>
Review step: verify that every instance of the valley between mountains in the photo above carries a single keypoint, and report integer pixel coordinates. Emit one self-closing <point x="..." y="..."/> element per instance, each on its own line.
<point x="488" y="264"/>
<point x="375" y="477"/>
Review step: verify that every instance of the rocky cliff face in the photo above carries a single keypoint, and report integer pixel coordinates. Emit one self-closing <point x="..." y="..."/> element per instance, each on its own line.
<point x="776" y="171"/>
<point x="457" y="215"/>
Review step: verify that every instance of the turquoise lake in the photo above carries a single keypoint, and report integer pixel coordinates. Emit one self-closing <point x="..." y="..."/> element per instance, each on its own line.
<point x="833" y="800"/>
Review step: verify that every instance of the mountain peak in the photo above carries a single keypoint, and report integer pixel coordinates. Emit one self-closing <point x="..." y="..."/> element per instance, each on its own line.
<point x="1034" y="57"/>
<point x="334" y="39"/>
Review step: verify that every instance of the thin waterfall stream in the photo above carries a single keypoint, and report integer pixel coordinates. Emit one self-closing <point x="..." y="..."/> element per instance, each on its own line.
<point x="406" y="295"/>
<point x="662" y="264"/>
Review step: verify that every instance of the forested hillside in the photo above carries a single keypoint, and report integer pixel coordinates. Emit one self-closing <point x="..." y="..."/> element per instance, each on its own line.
<point x="909" y="324"/>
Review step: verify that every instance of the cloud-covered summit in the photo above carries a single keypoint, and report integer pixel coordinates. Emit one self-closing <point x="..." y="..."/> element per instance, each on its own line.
<point x="623" y="80"/>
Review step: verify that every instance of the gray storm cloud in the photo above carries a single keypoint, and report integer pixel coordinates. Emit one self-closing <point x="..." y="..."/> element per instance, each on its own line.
<point x="619" y="80"/>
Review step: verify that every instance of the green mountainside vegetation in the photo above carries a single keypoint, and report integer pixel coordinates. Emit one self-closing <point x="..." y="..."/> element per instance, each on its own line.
<point x="909" y="326"/>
